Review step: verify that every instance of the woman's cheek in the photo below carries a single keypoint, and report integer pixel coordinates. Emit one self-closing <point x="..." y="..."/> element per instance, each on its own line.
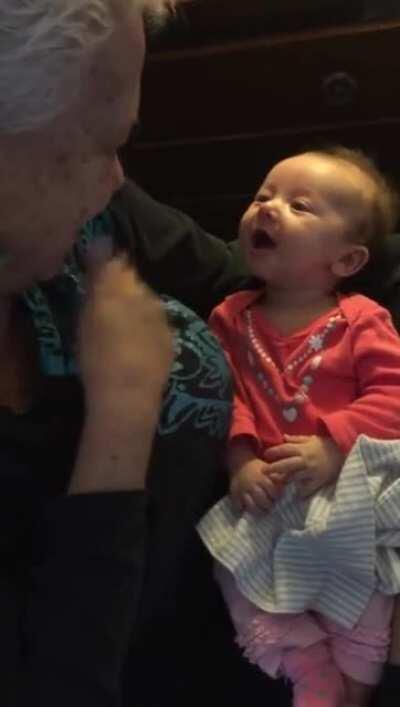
<point x="117" y="175"/>
<point x="111" y="181"/>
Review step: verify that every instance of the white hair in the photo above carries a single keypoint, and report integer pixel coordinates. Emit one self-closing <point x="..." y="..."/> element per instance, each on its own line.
<point x="45" y="46"/>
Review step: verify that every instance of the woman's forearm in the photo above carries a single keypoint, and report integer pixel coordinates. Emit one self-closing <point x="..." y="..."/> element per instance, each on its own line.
<point x="115" y="447"/>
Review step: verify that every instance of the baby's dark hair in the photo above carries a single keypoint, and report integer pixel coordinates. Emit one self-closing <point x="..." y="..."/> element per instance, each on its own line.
<point x="379" y="221"/>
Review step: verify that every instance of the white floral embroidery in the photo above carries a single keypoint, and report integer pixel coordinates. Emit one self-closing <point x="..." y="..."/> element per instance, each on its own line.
<point x="316" y="342"/>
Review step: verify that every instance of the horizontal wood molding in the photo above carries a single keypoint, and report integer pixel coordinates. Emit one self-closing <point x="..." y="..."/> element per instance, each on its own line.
<point x="215" y="118"/>
<point x="236" y="163"/>
<point x="252" y="86"/>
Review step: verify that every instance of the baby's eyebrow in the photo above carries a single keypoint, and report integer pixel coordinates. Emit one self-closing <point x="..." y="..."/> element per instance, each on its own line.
<point x="266" y="189"/>
<point x="308" y="193"/>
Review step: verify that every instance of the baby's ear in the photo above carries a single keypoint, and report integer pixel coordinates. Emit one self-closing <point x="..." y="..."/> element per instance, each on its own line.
<point x="350" y="262"/>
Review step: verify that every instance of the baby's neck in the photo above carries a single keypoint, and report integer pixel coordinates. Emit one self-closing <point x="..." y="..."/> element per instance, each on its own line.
<point x="289" y="311"/>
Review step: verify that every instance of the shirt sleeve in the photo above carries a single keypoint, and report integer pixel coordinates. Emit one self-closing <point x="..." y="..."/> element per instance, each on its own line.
<point x="242" y="421"/>
<point x="87" y="567"/>
<point x="174" y="255"/>
<point x="376" y="410"/>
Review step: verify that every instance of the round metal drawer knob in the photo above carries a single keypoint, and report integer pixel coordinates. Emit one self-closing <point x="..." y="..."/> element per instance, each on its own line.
<point x="339" y="89"/>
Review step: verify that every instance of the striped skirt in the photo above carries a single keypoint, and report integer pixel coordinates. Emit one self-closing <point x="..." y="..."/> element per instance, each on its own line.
<point x="326" y="554"/>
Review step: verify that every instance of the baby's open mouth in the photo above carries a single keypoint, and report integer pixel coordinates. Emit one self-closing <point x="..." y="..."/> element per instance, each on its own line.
<point x="260" y="239"/>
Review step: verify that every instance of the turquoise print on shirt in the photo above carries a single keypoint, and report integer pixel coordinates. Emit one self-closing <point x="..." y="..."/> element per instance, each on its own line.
<point x="199" y="386"/>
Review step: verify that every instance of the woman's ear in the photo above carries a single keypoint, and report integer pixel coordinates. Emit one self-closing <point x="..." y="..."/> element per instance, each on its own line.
<point x="350" y="262"/>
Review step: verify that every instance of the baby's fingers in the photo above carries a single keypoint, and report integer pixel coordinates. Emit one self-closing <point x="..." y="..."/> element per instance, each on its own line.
<point x="249" y="503"/>
<point x="306" y="485"/>
<point x="237" y="499"/>
<point x="262" y="497"/>
<point x="280" y="451"/>
<point x="296" y="439"/>
<point x="283" y="469"/>
<point x="272" y="487"/>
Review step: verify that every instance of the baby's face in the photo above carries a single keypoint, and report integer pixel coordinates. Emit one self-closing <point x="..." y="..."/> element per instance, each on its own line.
<point x="300" y="221"/>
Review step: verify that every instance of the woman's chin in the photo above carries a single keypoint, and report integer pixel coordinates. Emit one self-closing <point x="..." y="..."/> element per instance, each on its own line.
<point x="48" y="271"/>
<point x="18" y="280"/>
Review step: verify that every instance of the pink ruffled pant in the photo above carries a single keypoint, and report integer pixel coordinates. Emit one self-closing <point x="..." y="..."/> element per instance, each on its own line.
<point x="265" y="638"/>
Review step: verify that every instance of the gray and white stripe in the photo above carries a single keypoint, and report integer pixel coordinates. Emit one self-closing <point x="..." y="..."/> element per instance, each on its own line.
<point x="326" y="554"/>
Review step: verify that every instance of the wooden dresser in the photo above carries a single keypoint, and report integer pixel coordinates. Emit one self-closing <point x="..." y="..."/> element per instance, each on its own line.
<point x="218" y="109"/>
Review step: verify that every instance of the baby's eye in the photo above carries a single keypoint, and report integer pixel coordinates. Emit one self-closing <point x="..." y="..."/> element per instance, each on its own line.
<point x="261" y="198"/>
<point x="300" y="205"/>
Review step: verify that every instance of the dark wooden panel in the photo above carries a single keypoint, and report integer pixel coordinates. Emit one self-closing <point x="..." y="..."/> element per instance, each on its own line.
<point x="214" y="180"/>
<point x="236" y="165"/>
<point x="219" y="214"/>
<point x="220" y="15"/>
<point x="245" y="87"/>
<point x="203" y="21"/>
<point x="217" y="117"/>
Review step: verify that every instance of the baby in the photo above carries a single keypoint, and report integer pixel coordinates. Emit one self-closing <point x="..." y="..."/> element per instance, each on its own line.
<point x="314" y="369"/>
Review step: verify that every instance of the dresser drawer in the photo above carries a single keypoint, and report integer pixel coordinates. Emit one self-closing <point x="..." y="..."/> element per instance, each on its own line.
<point x="213" y="180"/>
<point x="248" y="87"/>
<point x="199" y="21"/>
<point x="215" y="119"/>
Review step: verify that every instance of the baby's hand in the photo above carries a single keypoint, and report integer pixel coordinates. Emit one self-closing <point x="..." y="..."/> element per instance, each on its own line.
<point x="252" y="489"/>
<point x="311" y="461"/>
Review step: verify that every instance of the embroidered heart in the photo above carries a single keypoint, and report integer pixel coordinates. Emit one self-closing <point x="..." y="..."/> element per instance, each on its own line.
<point x="290" y="414"/>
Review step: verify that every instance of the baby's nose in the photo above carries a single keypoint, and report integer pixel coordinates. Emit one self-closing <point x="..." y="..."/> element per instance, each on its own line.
<point x="270" y="209"/>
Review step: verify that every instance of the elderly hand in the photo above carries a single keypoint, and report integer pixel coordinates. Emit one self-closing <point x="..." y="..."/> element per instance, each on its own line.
<point x="310" y="461"/>
<point x="125" y="342"/>
<point x="125" y="356"/>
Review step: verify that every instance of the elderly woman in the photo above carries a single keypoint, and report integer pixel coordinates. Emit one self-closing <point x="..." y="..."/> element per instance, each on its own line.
<point x="71" y="557"/>
<point x="106" y="595"/>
